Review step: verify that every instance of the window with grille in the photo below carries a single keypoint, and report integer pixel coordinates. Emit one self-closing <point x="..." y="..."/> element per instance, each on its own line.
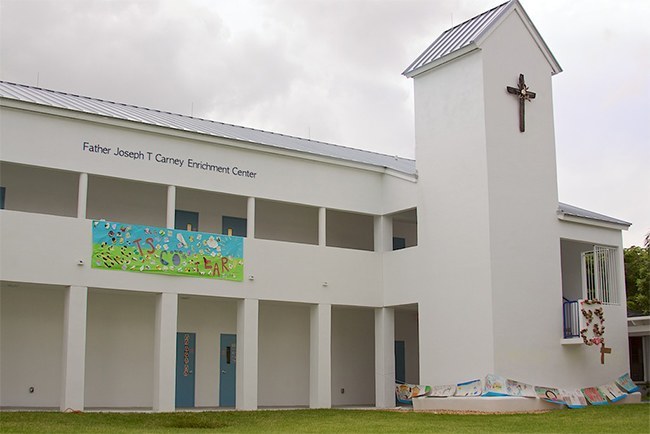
<point x="599" y="275"/>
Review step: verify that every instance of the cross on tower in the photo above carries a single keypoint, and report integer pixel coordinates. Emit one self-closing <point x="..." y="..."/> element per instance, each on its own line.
<point x="524" y="95"/>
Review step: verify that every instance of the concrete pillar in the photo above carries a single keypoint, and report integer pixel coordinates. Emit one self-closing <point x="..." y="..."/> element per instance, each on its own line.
<point x="74" y="348"/>
<point x="247" y="352"/>
<point x="383" y="226"/>
<point x="322" y="227"/>
<point x="164" y="382"/>
<point x="250" y="218"/>
<point x="171" y="206"/>
<point x="384" y="357"/>
<point x="82" y="196"/>
<point x="320" y="356"/>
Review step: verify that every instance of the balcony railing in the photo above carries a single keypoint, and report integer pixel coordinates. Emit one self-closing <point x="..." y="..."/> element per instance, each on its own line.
<point x="571" y="314"/>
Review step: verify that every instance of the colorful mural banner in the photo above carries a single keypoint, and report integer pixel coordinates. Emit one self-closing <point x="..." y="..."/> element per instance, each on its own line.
<point x="150" y="249"/>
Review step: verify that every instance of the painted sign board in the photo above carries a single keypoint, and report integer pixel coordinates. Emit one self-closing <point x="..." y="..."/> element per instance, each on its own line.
<point x="150" y="249"/>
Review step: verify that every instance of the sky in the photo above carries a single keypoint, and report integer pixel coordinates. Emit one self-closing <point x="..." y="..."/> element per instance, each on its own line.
<point x="331" y="71"/>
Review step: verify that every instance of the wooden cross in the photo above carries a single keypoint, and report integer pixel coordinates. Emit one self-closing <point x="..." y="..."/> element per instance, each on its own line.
<point x="522" y="92"/>
<point x="604" y="350"/>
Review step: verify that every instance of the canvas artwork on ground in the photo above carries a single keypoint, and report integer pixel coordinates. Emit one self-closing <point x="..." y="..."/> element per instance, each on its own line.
<point x="150" y="249"/>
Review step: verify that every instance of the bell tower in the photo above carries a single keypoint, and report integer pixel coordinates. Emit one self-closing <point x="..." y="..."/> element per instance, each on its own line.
<point x="487" y="197"/>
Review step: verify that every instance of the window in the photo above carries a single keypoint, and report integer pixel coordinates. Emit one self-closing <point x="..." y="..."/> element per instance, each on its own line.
<point x="186" y="220"/>
<point x="399" y="243"/>
<point x="599" y="275"/>
<point x="233" y="226"/>
<point x="2" y="198"/>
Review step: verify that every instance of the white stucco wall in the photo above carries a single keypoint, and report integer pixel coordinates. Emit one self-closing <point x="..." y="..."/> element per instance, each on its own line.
<point x="211" y="207"/>
<point x="125" y="201"/>
<point x="451" y="277"/>
<point x="283" y="355"/>
<point x="525" y="247"/>
<point x="31" y="337"/>
<point x="353" y="356"/>
<point x="119" y="349"/>
<point x="47" y="192"/>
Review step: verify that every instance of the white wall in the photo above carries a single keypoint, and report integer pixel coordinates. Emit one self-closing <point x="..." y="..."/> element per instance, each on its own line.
<point x="522" y="180"/>
<point x="34" y="189"/>
<point x="282" y="271"/>
<point x="286" y="222"/>
<point x="125" y="201"/>
<point x="60" y="143"/>
<point x="209" y="318"/>
<point x="449" y="275"/>
<point x="353" y="356"/>
<point x="283" y="357"/>
<point x="119" y="349"/>
<point x="572" y="268"/>
<point x="31" y="345"/>
<point x="354" y="231"/>
<point x="211" y="207"/>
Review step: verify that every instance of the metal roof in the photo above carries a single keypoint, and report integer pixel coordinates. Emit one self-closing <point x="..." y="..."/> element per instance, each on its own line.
<point x="457" y="37"/>
<point x="94" y="106"/>
<point x="574" y="211"/>
<point x="469" y="35"/>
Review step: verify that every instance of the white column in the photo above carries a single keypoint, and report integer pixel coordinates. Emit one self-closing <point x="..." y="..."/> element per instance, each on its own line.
<point x="171" y="206"/>
<point x="82" y="196"/>
<point x="250" y="218"/>
<point x="320" y="356"/>
<point x="74" y="348"/>
<point x="384" y="357"/>
<point x="383" y="226"/>
<point x="164" y="382"/>
<point x="247" y="351"/>
<point x="322" y="226"/>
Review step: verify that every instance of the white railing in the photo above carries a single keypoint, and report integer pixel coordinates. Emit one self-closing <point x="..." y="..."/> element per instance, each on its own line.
<point x="599" y="275"/>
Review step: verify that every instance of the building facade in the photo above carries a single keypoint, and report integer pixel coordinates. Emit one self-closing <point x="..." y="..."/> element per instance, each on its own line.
<point x="353" y="269"/>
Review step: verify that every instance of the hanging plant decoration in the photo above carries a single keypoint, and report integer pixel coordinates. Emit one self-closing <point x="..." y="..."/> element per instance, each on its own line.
<point x="592" y="311"/>
<point x="594" y="315"/>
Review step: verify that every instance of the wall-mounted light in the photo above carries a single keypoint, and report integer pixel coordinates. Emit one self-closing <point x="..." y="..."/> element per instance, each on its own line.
<point x="251" y="277"/>
<point x="325" y="284"/>
<point x="80" y="262"/>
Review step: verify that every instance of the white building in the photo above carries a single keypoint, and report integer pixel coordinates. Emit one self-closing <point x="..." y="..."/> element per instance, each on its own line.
<point x="357" y="266"/>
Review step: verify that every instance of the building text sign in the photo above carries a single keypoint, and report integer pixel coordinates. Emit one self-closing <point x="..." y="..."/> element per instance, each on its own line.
<point x="150" y="249"/>
<point x="169" y="160"/>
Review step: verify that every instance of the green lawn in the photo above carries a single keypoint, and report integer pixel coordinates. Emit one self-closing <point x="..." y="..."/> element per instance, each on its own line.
<point x="615" y="419"/>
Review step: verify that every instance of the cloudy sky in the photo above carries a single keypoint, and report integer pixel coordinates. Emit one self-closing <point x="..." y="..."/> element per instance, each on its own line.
<point x="331" y="71"/>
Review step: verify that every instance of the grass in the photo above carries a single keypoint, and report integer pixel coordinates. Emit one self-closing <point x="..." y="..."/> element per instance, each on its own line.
<point x="629" y="418"/>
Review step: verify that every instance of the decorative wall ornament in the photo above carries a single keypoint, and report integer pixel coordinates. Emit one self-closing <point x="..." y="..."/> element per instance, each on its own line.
<point x="524" y="94"/>
<point x="594" y="315"/>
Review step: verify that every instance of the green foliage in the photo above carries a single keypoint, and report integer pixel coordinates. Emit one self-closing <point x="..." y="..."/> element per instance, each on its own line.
<point x="637" y="279"/>
<point x="629" y="418"/>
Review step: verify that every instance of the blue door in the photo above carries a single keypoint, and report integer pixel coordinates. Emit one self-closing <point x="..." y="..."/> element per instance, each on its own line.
<point x="185" y="354"/>
<point x="228" y="366"/>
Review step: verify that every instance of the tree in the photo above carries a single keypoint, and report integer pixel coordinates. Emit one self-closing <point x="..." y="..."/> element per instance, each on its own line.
<point x="637" y="277"/>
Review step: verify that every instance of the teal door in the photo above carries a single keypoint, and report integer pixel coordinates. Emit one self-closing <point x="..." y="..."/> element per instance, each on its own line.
<point x="228" y="366"/>
<point x="233" y="226"/>
<point x="185" y="355"/>
<point x="186" y="220"/>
